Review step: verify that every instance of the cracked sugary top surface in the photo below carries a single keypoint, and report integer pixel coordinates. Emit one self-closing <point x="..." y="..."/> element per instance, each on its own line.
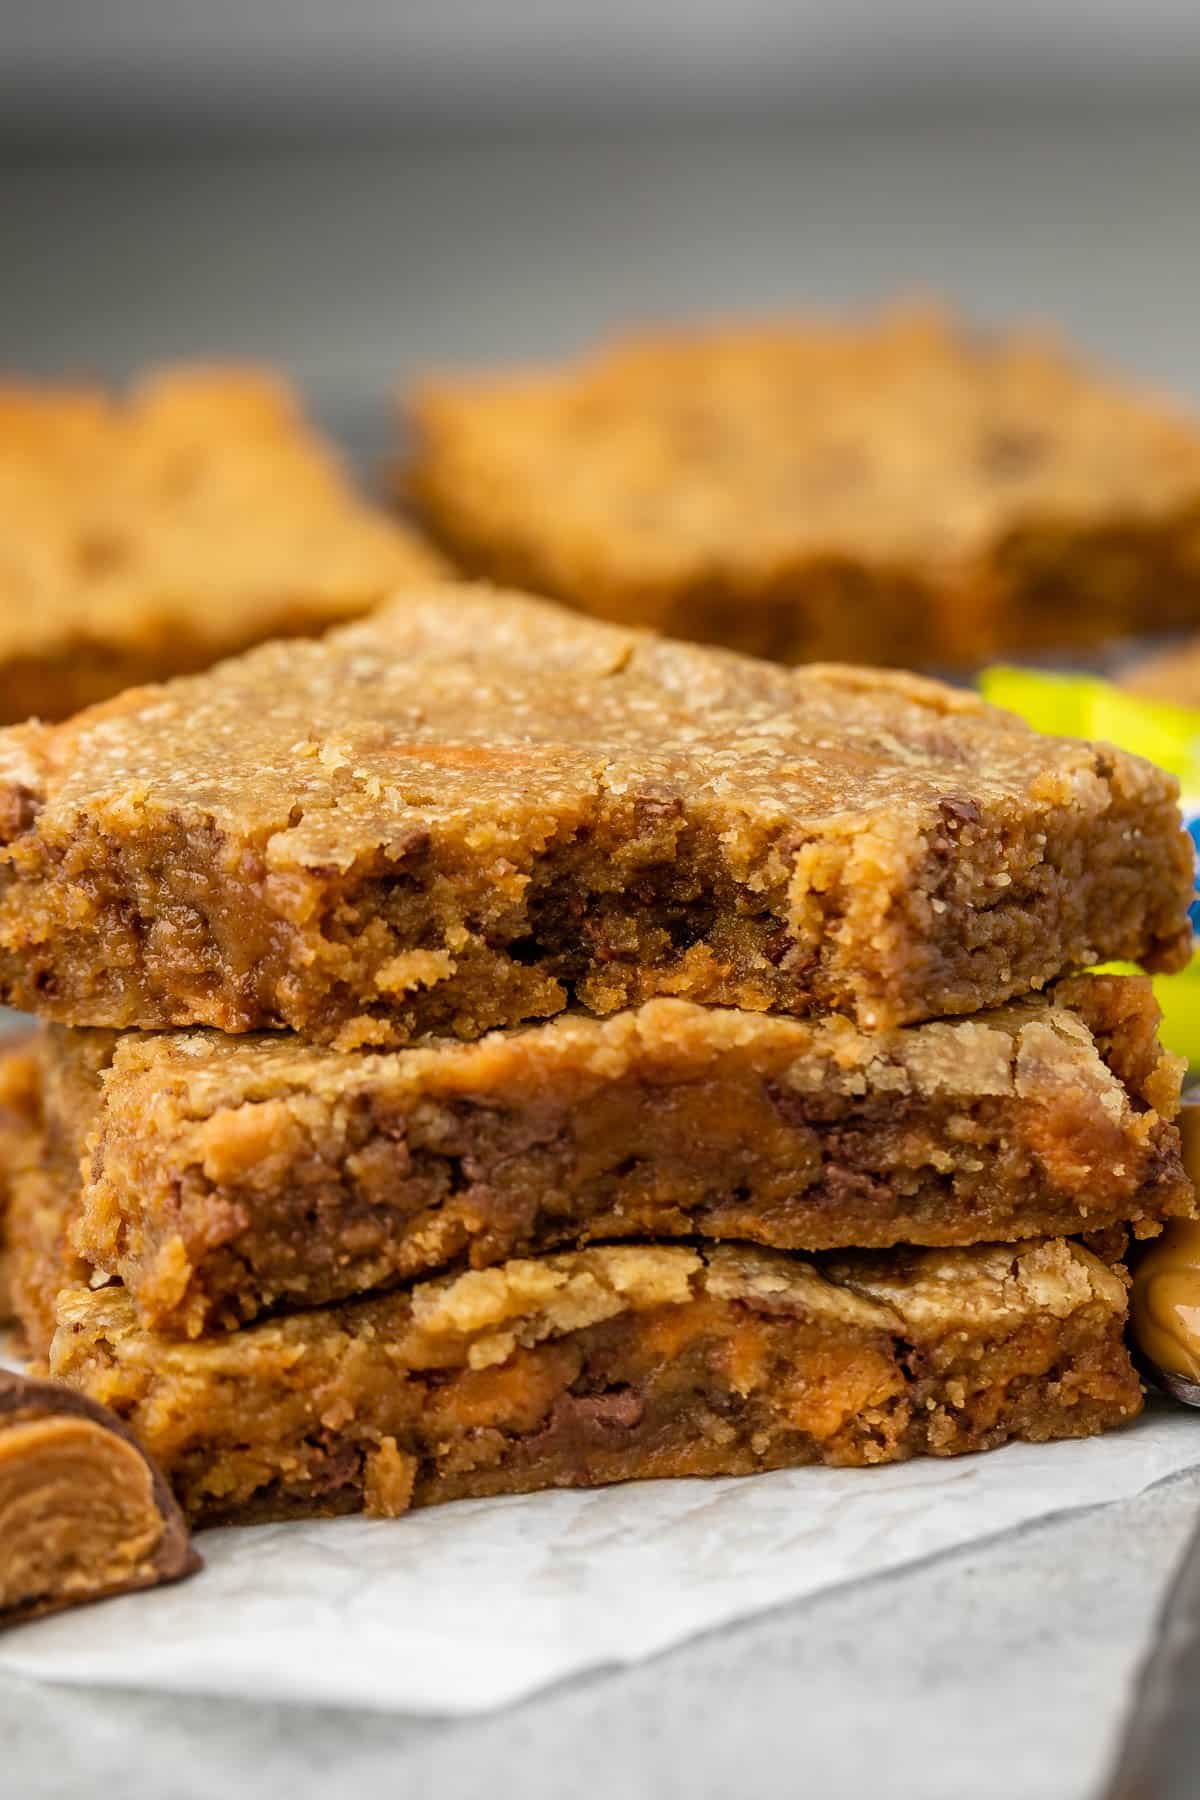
<point x="906" y="438"/>
<point x="494" y="719"/>
<point x="197" y="499"/>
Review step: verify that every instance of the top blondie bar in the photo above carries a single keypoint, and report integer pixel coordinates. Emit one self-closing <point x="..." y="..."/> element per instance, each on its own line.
<point x="475" y="807"/>
<point x="895" y="490"/>
<point x="149" y="535"/>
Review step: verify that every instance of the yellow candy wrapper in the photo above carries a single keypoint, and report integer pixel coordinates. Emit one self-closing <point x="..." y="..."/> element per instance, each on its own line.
<point x="1087" y="706"/>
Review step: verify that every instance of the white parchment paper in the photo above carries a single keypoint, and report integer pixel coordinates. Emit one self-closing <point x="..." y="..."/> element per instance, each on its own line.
<point x="466" y="1607"/>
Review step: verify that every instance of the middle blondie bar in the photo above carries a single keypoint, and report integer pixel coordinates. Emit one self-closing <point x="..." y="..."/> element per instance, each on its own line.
<point x="223" y="1177"/>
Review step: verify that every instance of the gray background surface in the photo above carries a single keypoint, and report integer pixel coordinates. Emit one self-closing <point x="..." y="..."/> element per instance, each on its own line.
<point x="995" y="1673"/>
<point x="126" y="63"/>
<point x="356" y="264"/>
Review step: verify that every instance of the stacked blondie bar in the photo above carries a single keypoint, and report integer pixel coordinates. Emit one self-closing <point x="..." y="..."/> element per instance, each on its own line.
<point x="901" y="488"/>
<point x="489" y="1049"/>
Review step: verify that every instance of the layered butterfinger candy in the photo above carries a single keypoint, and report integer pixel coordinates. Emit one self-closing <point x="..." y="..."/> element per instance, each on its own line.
<point x="84" y="1513"/>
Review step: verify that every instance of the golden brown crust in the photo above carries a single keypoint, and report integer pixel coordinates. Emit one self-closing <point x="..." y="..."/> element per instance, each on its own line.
<point x="612" y="1364"/>
<point x="887" y="490"/>
<point x="226" y="1176"/>
<point x="147" y="535"/>
<point x="468" y="809"/>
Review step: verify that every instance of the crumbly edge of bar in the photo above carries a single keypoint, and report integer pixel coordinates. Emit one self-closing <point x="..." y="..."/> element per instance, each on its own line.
<point x="44" y="1181"/>
<point x="20" y="1123"/>
<point x="613" y="1364"/>
<point x="41" y="1260"/>
<point x="1102" y="1030"/>
<point x="223" y="1179"/>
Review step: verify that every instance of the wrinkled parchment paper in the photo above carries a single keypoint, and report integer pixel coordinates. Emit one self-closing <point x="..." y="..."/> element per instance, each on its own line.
<point x="462" y="1608"/>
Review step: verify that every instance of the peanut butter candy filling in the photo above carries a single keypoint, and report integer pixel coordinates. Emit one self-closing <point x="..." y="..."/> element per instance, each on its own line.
<point x="1166" y="1286"/>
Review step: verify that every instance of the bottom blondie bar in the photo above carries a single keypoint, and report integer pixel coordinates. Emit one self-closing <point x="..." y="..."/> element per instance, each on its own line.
<point x="611" y="1364"/>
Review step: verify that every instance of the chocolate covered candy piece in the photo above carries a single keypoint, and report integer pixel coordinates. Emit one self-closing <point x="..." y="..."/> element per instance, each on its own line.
<point x="1166" y="1309"/>
<point x="1165" y="1306"/>
<point x="84" y="1513"/>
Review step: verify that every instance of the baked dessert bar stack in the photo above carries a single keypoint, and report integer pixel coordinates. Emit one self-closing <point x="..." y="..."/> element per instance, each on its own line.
<point x="490" y="1050"/>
